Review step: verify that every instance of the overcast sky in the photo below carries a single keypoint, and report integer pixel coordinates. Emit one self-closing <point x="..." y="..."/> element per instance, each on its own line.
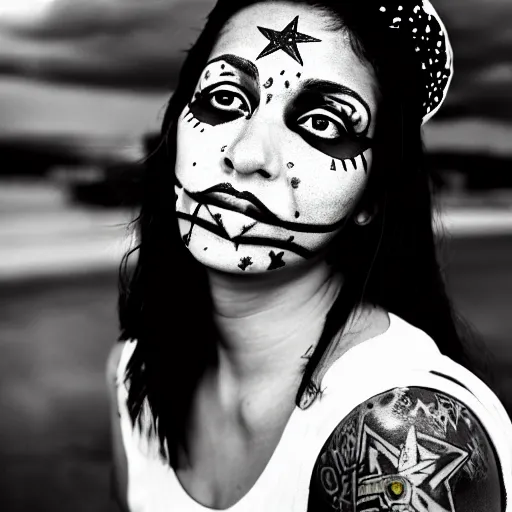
<point x="136" y="46"/>
<point x="122" y="43"/>
<point x="100" y="68"/>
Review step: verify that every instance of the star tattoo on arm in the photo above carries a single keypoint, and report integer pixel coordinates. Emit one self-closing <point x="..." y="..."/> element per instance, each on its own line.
<point x="285" y="40"/>
<point x="408" y="450"/>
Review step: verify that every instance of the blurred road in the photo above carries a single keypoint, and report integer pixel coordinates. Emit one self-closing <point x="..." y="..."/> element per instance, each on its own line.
<point x="43" y="233"/>
<point x="54" y="444"/>
<point x="56" y="331"/>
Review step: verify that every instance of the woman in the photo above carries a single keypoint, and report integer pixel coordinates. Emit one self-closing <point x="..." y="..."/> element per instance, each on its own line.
<point x="283" y="329"/>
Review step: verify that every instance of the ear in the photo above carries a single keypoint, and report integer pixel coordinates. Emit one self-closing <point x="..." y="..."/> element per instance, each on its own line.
<point x="363" y="215"/>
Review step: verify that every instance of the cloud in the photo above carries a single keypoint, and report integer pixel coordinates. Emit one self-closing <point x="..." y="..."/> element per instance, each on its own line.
<point x="481" y="35"/>
<point x="128" y="44"/>
<point x="75" y="19"/>
<point x="108" y="116"/>
<point x="140" y="44"/>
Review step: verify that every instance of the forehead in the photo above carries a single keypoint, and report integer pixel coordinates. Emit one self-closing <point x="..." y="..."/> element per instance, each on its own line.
<point x="331" y="58"/>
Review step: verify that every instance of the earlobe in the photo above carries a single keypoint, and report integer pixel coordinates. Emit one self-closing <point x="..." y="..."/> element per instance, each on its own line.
<point x="366" y="214"/>
<point x="363" y="218"/>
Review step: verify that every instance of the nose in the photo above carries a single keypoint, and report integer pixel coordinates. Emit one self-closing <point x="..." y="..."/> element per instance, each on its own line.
<point x="255" y="150"/>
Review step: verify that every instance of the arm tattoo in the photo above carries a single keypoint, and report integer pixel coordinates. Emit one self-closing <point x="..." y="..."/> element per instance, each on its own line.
<point x="408" y="450"/>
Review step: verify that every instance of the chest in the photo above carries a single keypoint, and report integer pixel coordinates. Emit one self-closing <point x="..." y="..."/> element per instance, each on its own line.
<point x="228" y="456"/>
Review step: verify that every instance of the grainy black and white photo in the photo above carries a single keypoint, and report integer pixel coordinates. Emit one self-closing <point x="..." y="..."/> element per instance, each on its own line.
<point x="256" y="255"/>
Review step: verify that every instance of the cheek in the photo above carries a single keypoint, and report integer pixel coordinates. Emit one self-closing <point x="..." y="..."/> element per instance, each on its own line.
<point x="327" y="189"/>
<point x="200" y="147"/>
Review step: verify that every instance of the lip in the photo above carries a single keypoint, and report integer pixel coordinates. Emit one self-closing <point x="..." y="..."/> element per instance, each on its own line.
<point x="226" y="196"/>
<point x="230" y="202"/>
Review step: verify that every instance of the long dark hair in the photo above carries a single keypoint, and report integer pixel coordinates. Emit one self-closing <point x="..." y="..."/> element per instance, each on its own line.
<point x="164" y="299"/>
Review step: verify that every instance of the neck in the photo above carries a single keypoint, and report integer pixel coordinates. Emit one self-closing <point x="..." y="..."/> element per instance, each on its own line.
<point x="268" y="322"/>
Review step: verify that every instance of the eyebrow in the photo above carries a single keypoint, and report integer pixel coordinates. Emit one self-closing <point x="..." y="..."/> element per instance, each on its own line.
<point x="328" y="87"/>
<point x="316" y="86"/>
<point x="243" y="65"/>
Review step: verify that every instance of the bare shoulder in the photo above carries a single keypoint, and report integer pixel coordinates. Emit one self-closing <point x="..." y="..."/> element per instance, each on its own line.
<point x="409" y="449"/>
<point x="113" y="359"/>
<point x="119" y="474"/>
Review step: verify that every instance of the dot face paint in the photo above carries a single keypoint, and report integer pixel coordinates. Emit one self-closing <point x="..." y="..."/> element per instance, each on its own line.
<point x="252" y="148"/>
<point x="245" y="262"/>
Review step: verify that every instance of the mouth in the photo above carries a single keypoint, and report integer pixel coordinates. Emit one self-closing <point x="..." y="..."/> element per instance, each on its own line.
<point x="224" y="195"/>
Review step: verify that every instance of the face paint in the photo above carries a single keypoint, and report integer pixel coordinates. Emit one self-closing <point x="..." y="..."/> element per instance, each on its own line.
<point x="268" y="83"/>
<point x="230" y="93"/>
<point x="308" y="353"/>
<point x="245" y="262"/>
<point x="295" y="182"/>
<point x="276" y="260"/>
<point x="228" y="198"/>
<point x="240" y="199"/>
<point x="335" y="122"/>
<point x="286" y="40"/>
<point x="217" y="104"/>
<point x="365" y="163"/>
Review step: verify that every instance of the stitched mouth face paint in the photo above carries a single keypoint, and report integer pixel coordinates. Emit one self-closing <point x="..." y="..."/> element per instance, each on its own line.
<point x="273" y="155"/>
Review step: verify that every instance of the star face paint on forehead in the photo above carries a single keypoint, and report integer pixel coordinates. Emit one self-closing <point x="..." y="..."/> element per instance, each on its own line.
<point x="286" y="40"/>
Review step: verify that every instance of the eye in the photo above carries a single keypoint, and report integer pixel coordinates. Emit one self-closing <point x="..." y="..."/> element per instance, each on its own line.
<point x="229" y="99"/>
<point x="321" y="123"/>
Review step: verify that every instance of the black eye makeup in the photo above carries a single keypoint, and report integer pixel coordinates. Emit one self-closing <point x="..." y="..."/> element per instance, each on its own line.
<point x="328" y="116"/>
<point x="330" y="125"/>
<point x="222" y="102"/>
<point x="227" y="90"/>
<point x="322" y="123"/>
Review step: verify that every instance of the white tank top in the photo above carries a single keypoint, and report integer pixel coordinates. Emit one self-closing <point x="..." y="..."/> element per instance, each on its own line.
<point x="403" y="356"/>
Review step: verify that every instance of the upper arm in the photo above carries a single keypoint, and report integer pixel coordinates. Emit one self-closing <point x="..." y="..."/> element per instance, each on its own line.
<point x="409" y="449"/>
<point x="119" y="480"/>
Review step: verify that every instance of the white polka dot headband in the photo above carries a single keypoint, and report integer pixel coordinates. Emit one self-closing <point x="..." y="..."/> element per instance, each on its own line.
<point x="432" y="46"/>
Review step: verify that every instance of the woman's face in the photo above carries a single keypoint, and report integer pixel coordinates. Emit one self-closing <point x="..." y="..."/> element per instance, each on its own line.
<point x="274" y="148"/>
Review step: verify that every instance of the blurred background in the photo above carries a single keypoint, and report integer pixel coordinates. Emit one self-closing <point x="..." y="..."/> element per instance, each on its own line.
<point x="83" y="87"/>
